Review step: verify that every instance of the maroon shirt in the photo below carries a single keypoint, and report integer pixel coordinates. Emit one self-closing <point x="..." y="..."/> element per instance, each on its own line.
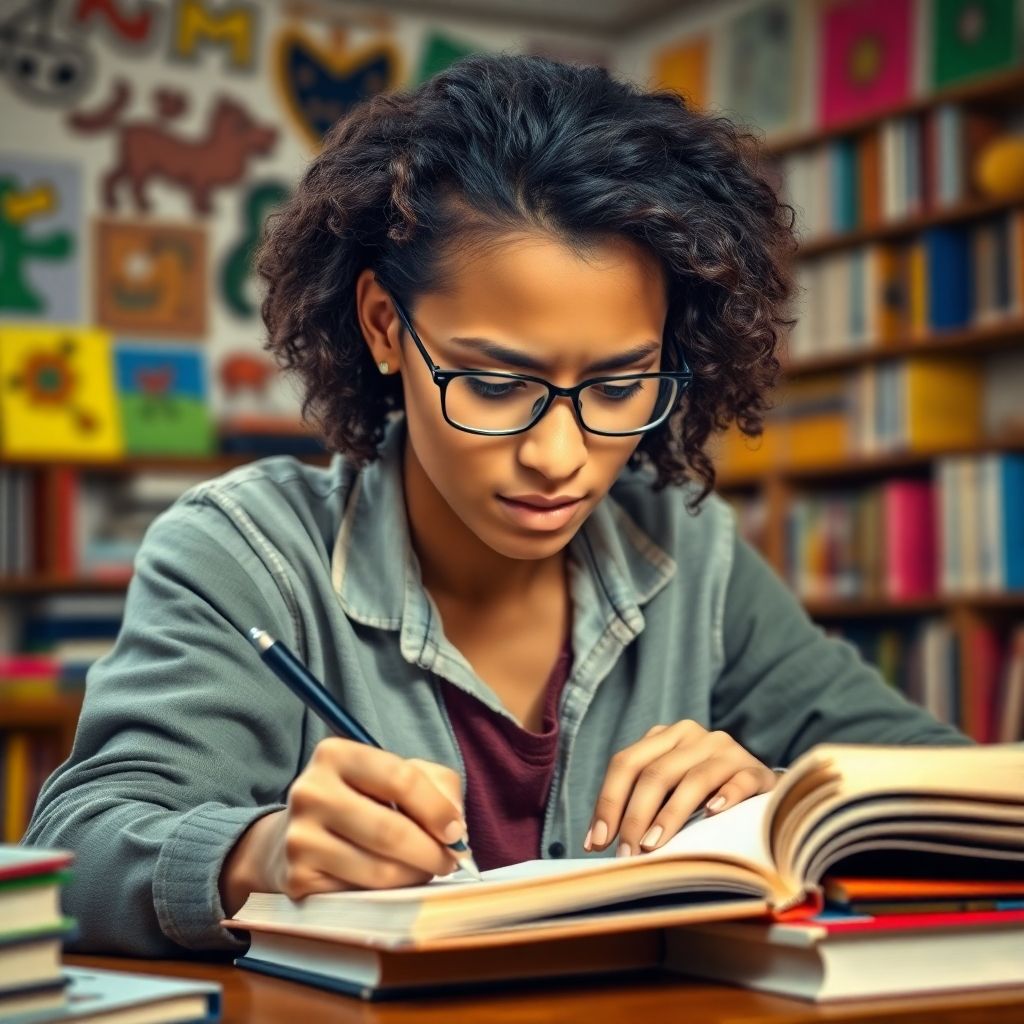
<point x="508" y="771"/>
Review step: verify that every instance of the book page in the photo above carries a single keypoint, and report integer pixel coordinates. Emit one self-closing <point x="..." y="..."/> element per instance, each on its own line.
<point x="738" y="831"/>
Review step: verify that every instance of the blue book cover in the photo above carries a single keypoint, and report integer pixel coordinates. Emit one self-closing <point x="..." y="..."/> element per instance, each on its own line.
<point x="1012" y="515"/>
<point x="92" y="993"/>
<point x="950" y="291"/>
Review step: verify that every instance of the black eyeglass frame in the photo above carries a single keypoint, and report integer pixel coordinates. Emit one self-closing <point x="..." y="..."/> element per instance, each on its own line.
<point x="442" y="378"/>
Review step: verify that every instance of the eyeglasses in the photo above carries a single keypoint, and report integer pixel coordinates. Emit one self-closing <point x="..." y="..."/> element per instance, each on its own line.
<point x="497" y="403"/>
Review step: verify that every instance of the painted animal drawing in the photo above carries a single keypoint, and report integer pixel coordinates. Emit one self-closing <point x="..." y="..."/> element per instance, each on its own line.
<point x="150" y="150"/>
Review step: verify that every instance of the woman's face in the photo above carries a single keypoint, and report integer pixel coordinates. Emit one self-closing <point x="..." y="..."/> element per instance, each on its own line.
<point x="534" y="297"/>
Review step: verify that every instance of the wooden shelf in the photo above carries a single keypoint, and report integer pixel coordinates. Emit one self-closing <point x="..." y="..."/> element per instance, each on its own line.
<point x="35" y="712"/>
<point x="1007" y="334"/>
<point x="857" y="468"/>
<point x="28" y="585"/>
<point x="880" y="607"/>
<point x="967" y="210"/>
<point x="212" y="464"/>
<point x="1001" y="89"/>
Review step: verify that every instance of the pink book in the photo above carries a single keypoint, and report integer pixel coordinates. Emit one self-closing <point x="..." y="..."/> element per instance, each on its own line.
<point x="28" y="666"/>
<point x="909" y="517"/>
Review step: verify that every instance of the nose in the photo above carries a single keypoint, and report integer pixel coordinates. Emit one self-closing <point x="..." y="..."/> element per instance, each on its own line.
<point x="555" y="446"/>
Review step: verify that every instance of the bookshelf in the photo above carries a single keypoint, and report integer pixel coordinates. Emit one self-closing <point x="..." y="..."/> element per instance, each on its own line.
<point x="794" y="493"/>
<point x="42" y="682"/>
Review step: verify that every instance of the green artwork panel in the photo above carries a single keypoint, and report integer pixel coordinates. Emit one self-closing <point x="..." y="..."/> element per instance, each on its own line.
<point x="438" y="52"/>
<point x="176" y="425"/>
<point x="973" y="37"/>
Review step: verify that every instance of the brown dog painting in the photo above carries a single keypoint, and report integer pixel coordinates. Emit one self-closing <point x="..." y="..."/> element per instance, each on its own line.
<point x="150" y="150"/>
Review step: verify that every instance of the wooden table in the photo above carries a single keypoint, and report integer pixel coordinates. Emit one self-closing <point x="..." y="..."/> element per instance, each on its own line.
<point x="255" y="999"/>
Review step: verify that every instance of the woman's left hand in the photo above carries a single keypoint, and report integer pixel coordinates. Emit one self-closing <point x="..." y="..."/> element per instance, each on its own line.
<point x="653" y="786"/>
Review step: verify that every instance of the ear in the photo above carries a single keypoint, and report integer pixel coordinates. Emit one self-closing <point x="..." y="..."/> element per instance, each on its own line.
<point x="378" y="321"/>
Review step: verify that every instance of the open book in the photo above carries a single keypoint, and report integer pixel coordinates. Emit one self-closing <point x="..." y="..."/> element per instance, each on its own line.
<point x="895" y="810"/>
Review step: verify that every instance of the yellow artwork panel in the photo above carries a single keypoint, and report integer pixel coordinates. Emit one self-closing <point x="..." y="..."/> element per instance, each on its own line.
<point x="683" y="67"/>
<point x="57" y="394"/>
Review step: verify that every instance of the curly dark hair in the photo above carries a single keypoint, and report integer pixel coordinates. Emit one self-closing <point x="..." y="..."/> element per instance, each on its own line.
<point x="499" y="143"/>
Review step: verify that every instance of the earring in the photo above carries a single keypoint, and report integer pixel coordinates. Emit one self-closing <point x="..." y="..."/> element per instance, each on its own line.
<point x="384" y="366"/>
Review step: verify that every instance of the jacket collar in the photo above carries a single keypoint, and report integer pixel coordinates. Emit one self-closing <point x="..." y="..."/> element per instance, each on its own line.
<point x="376" y="574"/>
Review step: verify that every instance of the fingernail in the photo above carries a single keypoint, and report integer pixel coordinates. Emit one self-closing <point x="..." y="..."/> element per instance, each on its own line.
<point x="717" y="804"/>
<point x="453" y="832"/>
<point x="624" y="850"/>
<point x="586" y="842"/>
<point x="653" y="836"/>
<point x="600" y="833"/>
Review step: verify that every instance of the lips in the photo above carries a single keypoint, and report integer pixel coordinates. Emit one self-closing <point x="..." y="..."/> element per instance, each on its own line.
<point x="539" y="501"/>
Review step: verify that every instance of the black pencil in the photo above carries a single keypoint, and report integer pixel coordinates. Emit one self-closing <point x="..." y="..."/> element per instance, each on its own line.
<point x="290" y="670"/>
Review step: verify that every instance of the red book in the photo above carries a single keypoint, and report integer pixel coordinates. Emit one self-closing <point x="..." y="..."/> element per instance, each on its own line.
<point x="64" y="549"/>
<point x="981" y="683"/>
<point x="909" y="517"/>
<point x="24" y="861"/>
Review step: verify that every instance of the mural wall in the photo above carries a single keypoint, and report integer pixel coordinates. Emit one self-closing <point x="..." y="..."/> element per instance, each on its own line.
<point x="144" y="142"/>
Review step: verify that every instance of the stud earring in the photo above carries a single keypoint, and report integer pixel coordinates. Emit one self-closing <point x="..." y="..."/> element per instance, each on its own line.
<point x="384" y="366"/>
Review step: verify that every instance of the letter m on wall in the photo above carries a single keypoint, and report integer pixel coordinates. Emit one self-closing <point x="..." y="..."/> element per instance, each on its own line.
<point x="196" y="26"/>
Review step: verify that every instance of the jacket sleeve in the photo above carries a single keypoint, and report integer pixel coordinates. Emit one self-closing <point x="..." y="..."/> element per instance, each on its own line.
<point x="185" y="738"/>
<point x="786" y="685"/>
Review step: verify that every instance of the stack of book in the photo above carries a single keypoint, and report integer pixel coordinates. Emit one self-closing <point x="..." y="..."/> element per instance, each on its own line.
<point x="35" y="986"/>
<point x="841" y="811"/>
<point x="32" y="930"/>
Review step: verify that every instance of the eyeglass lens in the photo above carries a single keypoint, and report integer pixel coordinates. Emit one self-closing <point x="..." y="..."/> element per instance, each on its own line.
<point x="486" y="402"/>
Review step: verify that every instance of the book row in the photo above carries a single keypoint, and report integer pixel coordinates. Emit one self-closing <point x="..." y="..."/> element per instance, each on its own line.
<point x="27" y="758"/>
<point x="926" y="663"/>
<point x="923" y="404"/>
<point x="909" y="538"/>
<point x="904" y="166"/>
<point x="71" y="523"/>
<point x="945" y="278"/>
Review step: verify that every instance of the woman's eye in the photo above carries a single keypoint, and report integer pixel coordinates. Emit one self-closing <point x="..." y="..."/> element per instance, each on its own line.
<point x="620" y="392"/>
<point x="492" y="389"/>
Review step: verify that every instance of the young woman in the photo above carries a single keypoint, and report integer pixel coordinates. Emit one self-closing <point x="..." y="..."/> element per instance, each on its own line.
<point x="520" y="300"/>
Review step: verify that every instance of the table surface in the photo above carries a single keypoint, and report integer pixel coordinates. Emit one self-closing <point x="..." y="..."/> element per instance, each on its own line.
<point x="251" y="998"/>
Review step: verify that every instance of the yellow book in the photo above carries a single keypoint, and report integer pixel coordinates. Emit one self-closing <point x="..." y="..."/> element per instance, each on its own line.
<point x="815" y="419"/>
<point x="16" y="761"/>
<point x="57" y="394"/>
<point x="917" y="276"/>
<point x="942" y="403"/>
<point x="734" y="453"/>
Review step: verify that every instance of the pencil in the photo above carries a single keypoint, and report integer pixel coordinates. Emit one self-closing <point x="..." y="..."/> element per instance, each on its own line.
<point x="290" y="670"/>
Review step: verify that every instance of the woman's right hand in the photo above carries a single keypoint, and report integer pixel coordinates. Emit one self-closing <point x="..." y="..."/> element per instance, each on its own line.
<point x="339" y="832"/>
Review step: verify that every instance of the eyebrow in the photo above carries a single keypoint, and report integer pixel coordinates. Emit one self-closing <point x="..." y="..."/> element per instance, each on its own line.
<point x="511" y="357"/>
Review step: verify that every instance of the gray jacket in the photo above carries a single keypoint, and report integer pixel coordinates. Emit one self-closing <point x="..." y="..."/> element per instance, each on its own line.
<point x="186" y="737"/>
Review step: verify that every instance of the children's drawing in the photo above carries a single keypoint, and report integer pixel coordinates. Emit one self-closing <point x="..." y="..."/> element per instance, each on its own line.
<point x="163" y="394"/>
<point x="40" y="63"/>
<point x="235" y="271"/>
<point x="40" y="205"/>
<point x="866" y="51"/>
<point x="974" y="37"/>
<point x="197" y="25"/>
<point x="150" y="150"/>
<point x="57" y="393"/>
<point x="440" y="50"/>
<point x="132" y="29"/>
<point x="319" y="84"/>
<point x="762" y="65"/>
<point x="684" y="67"/>
<point x="151" y="278"/>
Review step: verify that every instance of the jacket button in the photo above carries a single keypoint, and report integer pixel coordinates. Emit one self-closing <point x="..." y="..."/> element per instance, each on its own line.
<point x="556" y="849"/>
